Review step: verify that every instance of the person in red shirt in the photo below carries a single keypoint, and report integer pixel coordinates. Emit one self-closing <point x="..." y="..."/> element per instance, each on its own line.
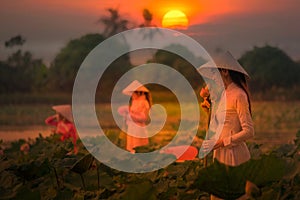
<point x="63" y="120"/>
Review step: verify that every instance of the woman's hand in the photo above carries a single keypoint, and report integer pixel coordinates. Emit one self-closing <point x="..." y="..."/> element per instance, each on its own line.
<point x="208" y="145"/>
<point x="219" y="144"/>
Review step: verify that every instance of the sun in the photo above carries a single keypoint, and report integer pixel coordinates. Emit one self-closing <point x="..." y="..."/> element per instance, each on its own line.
<point x="175" y="19"/>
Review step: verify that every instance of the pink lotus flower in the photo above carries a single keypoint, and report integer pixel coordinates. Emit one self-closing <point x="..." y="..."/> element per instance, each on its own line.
<point x="65" y="128"/>
<point x="204" y="93"/>
<point x="1" y="152"/>
<point x="205" y="104"/>
<point x="25" y="148"/>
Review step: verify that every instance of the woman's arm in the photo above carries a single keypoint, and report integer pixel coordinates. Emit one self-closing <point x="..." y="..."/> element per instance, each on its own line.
<point x="123" y="110"/>
<point x="52" y="120"/>
<point x="245" y="118"/>
<point x="141" y="114"/>
<point x="139" y="117"/>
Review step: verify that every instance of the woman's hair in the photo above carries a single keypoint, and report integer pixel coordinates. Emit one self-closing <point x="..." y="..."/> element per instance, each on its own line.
<point x="149" y="98"/>
<point x="240" y="79"/>
<point x="62" y="118"/>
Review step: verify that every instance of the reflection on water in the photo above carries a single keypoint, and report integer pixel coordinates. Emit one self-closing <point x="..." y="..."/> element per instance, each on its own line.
<point x="15" y="133"/>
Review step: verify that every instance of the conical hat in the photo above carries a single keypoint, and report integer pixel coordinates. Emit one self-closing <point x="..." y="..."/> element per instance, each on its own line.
<point x="134" y="86"/>
<point x="65" y="111"/>
<point x="224" y="61"/>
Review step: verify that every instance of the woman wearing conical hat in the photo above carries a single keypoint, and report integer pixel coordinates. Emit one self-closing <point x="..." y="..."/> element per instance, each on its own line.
<point x="230" y="147"/>
<point x="63" y="121"/>
<point x="234" y="110"/>
<point x="136" y="115"/>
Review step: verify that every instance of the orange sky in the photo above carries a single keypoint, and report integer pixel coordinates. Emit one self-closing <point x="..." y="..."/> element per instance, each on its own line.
<point x="235" y="24"/>
<point x="197" y="11"/>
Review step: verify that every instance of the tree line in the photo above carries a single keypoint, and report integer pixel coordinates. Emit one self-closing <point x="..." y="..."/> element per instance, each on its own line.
<point x="270" y="68"/>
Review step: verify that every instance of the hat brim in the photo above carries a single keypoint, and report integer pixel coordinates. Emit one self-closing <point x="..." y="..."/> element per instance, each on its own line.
<point x="134" y="86"/>
<point x="222" y="61"/>
<point x="65" y="111"/>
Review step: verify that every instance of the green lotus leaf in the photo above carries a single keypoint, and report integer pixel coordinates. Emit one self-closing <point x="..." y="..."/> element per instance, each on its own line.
<point x="143" y="190"/>
<point x="83" y="164"/>
<point x="229" y="182"/>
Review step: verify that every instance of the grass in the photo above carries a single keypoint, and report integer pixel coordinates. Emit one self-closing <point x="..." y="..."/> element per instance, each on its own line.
<point x="277" y="118"/>
<point x="275" y="121"/>
<point x="267" y="115"/>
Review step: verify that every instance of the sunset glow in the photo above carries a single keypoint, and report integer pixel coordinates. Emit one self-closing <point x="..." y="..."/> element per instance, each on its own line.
<point x="47" y="25"/>
<point x="175" y="19"/>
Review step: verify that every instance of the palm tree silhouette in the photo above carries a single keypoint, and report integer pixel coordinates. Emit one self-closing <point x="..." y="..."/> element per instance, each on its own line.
<point x="147" y="15"/>
<point x="113" y="23"/>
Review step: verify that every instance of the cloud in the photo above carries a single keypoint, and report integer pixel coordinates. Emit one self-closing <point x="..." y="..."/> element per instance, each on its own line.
<point x="240" y="32"/>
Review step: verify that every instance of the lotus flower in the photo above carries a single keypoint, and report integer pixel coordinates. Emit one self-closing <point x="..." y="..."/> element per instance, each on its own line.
<point x="204" y="93"/>
<point x="25" y="148"/>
